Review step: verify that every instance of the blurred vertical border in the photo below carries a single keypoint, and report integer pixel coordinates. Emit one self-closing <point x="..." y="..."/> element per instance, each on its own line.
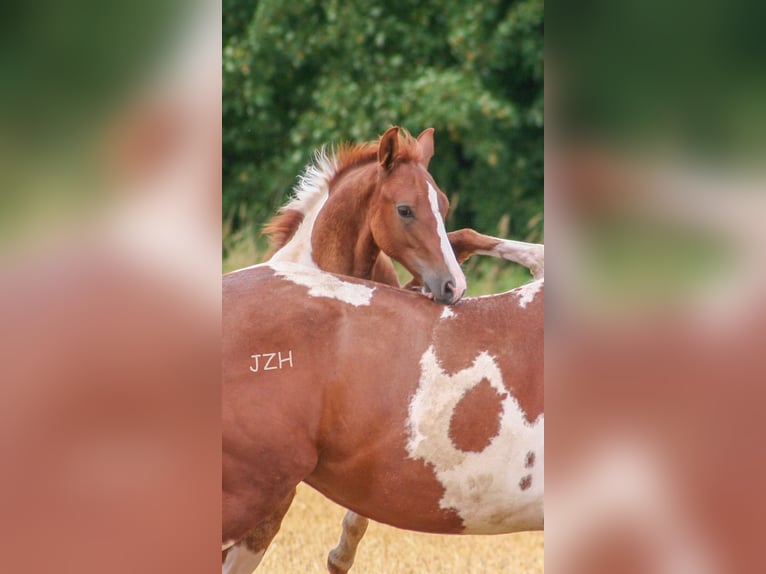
<point x="110" y="171"/>
<point x="655" y="195"/>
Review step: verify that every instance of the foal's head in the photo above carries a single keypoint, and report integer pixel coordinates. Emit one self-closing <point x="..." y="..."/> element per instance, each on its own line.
<point x="407" y="217"/>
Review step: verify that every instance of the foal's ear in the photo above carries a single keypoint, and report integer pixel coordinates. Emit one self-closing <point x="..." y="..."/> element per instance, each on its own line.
<point x="426" y="144"/>
<point x="389" y="144"/>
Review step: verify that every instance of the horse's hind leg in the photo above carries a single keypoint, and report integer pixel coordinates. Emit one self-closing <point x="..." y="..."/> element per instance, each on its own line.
<point x="467" y="242"/>
<point x="341" y="558"/>
<point x="245" y="555"/>
<point x="530" y="255"/>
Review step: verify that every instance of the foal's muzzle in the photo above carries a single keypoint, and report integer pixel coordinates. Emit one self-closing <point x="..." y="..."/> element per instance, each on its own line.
<point x="443" y="289"/>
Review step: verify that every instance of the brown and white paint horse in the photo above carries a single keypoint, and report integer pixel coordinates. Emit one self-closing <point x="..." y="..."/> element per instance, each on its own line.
<point x="299" y="234"/>
<point x="437" y="427"/>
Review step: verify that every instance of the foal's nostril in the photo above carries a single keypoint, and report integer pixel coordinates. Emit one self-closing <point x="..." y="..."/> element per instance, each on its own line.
<point x="449" y="290"/>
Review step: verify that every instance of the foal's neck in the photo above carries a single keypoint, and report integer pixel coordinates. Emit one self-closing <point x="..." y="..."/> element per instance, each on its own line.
<point x="342" y="240"/>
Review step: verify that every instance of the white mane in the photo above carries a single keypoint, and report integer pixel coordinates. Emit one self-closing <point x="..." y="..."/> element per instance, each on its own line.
<point x="314" y="183"/>
<point x="309" y="195"/>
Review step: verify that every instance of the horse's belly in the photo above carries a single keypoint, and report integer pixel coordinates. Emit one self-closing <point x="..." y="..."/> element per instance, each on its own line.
<point x="494" y="501"/>
<point x="487" y="493"/>
<point x="441" y="488"/>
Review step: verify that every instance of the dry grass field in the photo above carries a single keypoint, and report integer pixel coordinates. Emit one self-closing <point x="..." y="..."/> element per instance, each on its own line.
<point x="313" y="524"/>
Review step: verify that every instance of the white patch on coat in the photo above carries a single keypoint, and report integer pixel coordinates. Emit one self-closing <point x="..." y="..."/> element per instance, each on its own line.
<point x="527" y="292"/>
<point x="323" y="284"/>
<point x="447" y="313"/>
<point x="482" y="487"/>
<point x="309" y="197"/>
<point x="241" y="560"/>
<point x="228" y="544"/>
<point x="446" y="247"/>
<point x="241" y="269"/>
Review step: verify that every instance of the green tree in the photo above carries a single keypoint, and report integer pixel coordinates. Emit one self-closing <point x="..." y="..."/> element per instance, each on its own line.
<point x="298" y="75"/>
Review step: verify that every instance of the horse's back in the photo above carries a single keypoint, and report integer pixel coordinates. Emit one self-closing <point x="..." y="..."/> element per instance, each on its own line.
<point x="427" y="417"/>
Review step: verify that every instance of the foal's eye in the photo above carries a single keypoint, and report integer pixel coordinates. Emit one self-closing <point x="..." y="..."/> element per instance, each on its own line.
<point x="405" y="211"/>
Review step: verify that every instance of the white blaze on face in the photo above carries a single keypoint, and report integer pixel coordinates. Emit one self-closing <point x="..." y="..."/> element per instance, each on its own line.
<point x="323" y="284"/>
<point x="447" y="253"/>
<point x="482" y="487"/>
<point x="240" y="560"/>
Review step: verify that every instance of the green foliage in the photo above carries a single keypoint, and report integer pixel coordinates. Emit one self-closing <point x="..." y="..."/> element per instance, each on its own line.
<point x="298" y="75"/>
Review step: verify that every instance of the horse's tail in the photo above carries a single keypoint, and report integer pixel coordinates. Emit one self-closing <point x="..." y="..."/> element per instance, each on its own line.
<point x="281" y="228"/>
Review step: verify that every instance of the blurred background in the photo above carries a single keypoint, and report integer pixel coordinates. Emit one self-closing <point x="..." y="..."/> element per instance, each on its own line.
<point x="655" y="193"/>
<point x="298" y="75"/>
<point x="110" y="266"/>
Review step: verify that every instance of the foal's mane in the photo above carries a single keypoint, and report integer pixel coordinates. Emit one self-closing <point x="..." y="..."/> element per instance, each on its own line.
<point x="318" y="176"/>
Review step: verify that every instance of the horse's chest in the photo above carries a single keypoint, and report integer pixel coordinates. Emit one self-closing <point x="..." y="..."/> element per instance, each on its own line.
<point x="483" y="451"/>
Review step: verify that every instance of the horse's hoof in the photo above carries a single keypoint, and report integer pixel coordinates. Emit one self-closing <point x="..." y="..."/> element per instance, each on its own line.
<point x="332" y="569"/>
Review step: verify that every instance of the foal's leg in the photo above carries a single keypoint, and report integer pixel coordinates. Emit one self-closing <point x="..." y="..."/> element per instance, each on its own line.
<point x="383" y="271"/>
<point x="245" y="555"/>
<point x="467" y="242"/>
<point x="341" y="558"/>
